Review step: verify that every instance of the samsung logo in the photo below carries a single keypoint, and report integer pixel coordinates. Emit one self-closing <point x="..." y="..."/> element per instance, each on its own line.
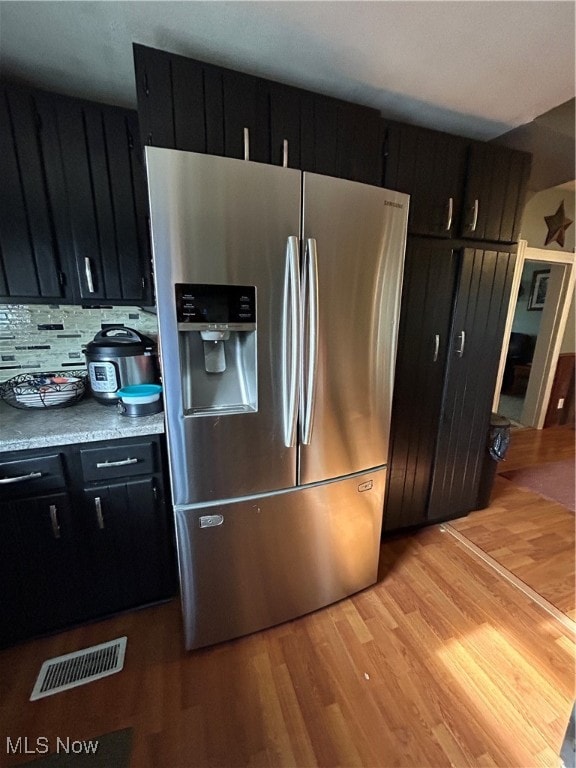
<point x="393" y="205"/>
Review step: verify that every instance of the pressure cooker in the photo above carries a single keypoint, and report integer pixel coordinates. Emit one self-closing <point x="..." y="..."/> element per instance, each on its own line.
<point x="119" y="357"/>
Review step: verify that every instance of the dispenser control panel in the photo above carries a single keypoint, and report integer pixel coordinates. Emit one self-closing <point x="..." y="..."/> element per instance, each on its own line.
<point x="216" y="307"/>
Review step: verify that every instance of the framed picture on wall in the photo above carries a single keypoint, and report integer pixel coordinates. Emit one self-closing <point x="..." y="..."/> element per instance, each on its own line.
<point x="538" y="288"/>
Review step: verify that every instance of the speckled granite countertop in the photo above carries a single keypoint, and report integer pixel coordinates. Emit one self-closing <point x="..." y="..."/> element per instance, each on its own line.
<point x="86" y="421"/>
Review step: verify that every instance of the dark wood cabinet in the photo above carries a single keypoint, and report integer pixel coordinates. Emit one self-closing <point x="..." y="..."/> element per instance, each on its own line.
<point x="430" y="167"/>
<point x="75" y="186"/>
<point x="190" y="105"/>
<point x="478" y="323"/>
<point x="33" y="240"/>
<point x="458" y="187"/>
<point x="496" y="185"/>
<point x="441" y="411"/>
<point x="89" y="548"/>
<point x="430" y="275"/>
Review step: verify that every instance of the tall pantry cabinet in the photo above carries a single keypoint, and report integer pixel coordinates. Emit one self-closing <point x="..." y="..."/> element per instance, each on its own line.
<point x="466" y="203"/>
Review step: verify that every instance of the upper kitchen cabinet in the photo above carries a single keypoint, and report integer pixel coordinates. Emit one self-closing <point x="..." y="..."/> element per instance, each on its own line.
<point x="496" y="184"/>
<point x="106" y="183"/>
<point x="73" y="219"/>
<point x="458" y="187"/>
<point x="33" y="235"/>
<point x="193" y="106"/>
<point x="189" y="105"/>
<point x="429" y="166"/>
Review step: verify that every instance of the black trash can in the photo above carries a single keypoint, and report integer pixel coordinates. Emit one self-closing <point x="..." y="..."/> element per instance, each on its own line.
<point x="496" y="447"/>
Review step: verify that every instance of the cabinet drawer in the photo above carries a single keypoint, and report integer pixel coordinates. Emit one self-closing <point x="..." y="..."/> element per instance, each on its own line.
<point x="40" y="473"/>
<point x="118" y="461"/>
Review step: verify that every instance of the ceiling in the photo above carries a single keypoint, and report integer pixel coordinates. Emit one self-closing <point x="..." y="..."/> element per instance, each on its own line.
<point x="480" y="69"/>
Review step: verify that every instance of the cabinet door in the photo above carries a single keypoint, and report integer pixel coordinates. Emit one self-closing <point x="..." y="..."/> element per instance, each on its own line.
<point x="129" y="558"/>
<point x="429" y="166"/>
<point x="427" y="300"/>
<point x="153" y="75"/>
<point x="496" y="185"/>
<point x="33" y="250"/>
<point x="246" y="117"/>
<point x="285" y="125"/>
<point x="359" y="144"/>
<point x="39" y="567"/>
<point x="103" y="166"/>
<point x="477" y="330"/>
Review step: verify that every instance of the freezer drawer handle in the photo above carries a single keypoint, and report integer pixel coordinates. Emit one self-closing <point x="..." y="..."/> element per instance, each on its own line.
<point x="121" y="463"/>
<point x="210" y="521"/>
<point x="20" y="478"/>
<point x="291" y="324"/>
<point x="310" y="341"/>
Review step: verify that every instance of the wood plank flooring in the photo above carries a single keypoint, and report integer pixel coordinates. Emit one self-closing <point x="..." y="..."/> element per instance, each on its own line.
<point x="528" y="535"/>
<point x="441" y="663"/>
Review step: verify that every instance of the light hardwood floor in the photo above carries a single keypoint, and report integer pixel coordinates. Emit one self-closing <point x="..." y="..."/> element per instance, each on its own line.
<point x="443" y="662"/>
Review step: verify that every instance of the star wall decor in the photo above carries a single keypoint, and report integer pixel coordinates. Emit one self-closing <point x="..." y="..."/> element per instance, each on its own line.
<point x="557" y="226"/>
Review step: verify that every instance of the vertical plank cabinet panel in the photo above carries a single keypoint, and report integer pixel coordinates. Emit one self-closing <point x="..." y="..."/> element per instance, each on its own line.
<point x="495" y="193"/>
<point x="427" y="299"/>
<point x="153" y="72"/>
<point x="214" y="110"/>
<point x="107" y="204"/>
<point x="188" y="105"/>
<point x="86" y="173"/>
<point x="32" y="256"/>
<point x="359" y="144"/>
<point x="130" y="269"/>
<point x="320" y="135"/>
<point x="246" y="108"/>
<point x="429" y="166"/>
<point x="477" y="330"/>
<point x="285" y="125"/>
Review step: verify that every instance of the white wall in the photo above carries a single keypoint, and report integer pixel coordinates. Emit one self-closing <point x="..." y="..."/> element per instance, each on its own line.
<point x="535" y="230"/>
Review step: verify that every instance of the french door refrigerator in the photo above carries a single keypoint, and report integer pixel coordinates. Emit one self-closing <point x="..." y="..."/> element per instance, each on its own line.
<point x="278" y="298"/>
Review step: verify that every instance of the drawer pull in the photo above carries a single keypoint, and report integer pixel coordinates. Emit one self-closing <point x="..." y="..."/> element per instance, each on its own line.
<point x="99" y="515"/>
<point x="54" y="521"/>
<point x="121" y="463"/>
<point x="21" y="478"/>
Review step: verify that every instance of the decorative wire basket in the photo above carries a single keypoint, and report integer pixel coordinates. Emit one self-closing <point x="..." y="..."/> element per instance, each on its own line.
<point x="56" y="389"/>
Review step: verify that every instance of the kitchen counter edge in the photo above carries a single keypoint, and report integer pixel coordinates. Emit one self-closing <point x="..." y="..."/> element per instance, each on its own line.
<point x="86" y="421"/>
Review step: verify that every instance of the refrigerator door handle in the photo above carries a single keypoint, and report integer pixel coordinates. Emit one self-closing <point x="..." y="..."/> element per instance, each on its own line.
<point x="310" y="340"/>
<point x="291" y="324"/>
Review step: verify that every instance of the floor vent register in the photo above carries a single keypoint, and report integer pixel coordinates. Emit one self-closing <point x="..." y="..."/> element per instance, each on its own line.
<point x="80" y="667"/>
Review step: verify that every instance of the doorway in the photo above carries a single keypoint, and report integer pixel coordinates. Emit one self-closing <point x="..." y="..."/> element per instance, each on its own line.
<point x="541" y="295"/>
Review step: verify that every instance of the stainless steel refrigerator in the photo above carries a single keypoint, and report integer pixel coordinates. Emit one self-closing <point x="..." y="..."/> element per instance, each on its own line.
<point x="278" y="298"/>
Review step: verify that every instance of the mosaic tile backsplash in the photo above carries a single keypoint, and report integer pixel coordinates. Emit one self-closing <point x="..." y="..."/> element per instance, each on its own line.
<point x="51" y="337"/>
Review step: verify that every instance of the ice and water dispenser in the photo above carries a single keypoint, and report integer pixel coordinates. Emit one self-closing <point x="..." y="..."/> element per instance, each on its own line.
<point x="217" y="340"/>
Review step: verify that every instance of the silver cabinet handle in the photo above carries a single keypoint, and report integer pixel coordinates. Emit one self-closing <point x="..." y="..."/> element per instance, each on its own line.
<point x="450" y="213"/>
<point x="310" y="296"/>
<point x="292" y="314"/>
<point x="99" y="515"/>
<point x="474" y="216"/>
<point x="121" y="463"/>
<point x="460" y="350"/>
<point x="436" y="346"/>
<point x="54" y="521"/>
<point x="285" y="153"/>
<point x="246" y="144"/>
<point x="20" y="478"/>
<point x="88" y="272"/>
